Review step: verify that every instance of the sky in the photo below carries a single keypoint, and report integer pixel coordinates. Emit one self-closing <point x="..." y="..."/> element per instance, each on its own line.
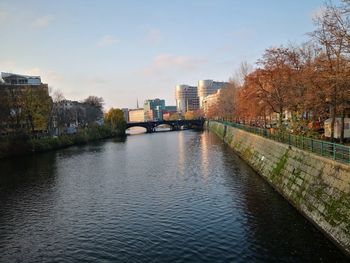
<point x="132" y="50"/>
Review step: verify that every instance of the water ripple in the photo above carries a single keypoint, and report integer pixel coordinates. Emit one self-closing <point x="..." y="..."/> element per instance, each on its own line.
<point x="168" y="197"/>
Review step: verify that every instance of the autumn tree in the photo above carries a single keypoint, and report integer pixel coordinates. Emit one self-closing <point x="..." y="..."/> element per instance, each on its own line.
<point x="36" y="107"/>
<point x="213" y="111"/>
<point x="25" y="109"/>
<point x="332" y="36"/>
<point x="175" y="116"/>
<point x="189" y="115"/>
<point x="251" y="106"/>
<point x="116" y="121"/>
<point x="226" y="102"/>
<point x="274" y="80"/>
<point x="4" y="110"/>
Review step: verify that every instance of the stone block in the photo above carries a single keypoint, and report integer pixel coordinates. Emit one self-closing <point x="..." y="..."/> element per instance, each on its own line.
<point x="323" y="184"/>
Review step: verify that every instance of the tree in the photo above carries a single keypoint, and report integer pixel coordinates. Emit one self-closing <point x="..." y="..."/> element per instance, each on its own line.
<point x="4" y="110"/>
<point x="332" y="36"/>
<point x="115" y="119"/>
<point x="58" y="96"/>
<point x="36" y="108"/>
<point x="239" y="76"/>
<point x="93" y="109"/>
<point x="175" y="116"/>
<point x="94" y="101"/>
<point x="189" y="115"/>
<point x="226" y="101"/>
<point x="250" y="105"/>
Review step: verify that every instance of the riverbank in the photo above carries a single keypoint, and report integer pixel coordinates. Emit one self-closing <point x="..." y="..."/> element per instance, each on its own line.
<point x="20" y="145"/>
<point x="318" y="187"/>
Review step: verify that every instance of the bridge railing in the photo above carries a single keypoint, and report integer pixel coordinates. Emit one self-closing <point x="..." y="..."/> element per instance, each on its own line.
<point x="337" y="152"/>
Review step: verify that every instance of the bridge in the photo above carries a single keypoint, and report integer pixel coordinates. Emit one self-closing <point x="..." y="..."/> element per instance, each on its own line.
<point x="174" y="125"/>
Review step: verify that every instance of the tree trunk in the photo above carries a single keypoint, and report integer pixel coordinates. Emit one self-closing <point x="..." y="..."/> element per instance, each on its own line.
<point x="333" y="115"/>
<point x="280" y="121"/>
<point x="342" y="126"/>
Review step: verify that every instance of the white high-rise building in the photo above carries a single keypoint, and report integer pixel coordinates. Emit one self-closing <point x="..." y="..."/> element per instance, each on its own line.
<point x="208" y="87"/>
<point x="186" y="98"/>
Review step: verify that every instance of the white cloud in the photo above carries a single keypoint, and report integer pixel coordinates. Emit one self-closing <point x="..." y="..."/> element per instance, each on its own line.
<point x="107" y="40"/>
<point x="154" y="36"/>
<point x="164" y="62"/>
<point x="43" y="21"/>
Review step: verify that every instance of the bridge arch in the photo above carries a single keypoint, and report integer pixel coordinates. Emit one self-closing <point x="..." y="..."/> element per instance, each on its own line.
<point x="150" y="126"/>
<point x="136" y="130"/>
<point x="166" y="125"/>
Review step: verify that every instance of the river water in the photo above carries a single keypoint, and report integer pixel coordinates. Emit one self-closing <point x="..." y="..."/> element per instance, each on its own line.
<point x="165" y="197"/>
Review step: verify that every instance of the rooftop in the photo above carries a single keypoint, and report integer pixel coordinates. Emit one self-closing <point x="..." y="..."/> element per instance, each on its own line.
<point x="18" y="79"/>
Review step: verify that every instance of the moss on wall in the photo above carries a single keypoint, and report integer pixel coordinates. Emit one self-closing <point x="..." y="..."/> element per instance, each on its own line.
<point x="277" y="170"/>
<point x="314" y="185"/>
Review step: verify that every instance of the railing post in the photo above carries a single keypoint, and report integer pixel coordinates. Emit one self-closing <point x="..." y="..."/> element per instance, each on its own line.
<point x="312" y="145"/>
<point x="302" y="142"/>
<point x="334" y="151"/>
<point x="321" y="148"/>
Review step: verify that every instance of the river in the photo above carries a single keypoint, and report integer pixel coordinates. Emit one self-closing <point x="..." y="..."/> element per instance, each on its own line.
<point x="164" y="197"/>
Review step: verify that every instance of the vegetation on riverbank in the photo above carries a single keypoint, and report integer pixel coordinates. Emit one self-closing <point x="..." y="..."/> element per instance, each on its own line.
<point x="22" y="144"/>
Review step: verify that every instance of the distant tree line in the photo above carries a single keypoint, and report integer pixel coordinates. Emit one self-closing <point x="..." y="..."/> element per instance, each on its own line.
<point x="67" y="115"/>
<point x="30" y="111"/>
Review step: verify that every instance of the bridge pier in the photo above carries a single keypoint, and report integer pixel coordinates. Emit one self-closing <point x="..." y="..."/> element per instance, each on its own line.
<point x="175" y="127"/>
<point x="149" y="130"/>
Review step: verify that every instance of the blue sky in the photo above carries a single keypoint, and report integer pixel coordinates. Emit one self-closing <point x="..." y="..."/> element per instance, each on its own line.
<point x="128" y="50"/>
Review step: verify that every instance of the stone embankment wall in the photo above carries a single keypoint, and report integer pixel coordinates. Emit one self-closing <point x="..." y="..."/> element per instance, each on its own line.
<point x="318" y="187"/>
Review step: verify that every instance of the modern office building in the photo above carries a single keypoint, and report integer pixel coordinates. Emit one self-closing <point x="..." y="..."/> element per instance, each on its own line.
<point x="136" y="115"/>
<point x="208" y="87"/>
<point x="186" y="98"/>
<point x="20" y="82"/>
<point x="169" y="112"/>
<point x="16" y="79"/>
<point x="211" y="101"/>
<point x="170" y="108"/>
<point x="153" y="109"/>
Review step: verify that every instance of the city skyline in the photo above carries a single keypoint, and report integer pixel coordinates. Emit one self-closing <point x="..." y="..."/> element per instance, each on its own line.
<point x="125" y="51"/>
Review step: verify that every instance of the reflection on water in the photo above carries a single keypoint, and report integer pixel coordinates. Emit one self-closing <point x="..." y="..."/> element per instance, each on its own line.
<point x="139" y="130"/>
<point x="205" y="156"/>
<point x="163" y="197"/>
<point x="136" y="130"/>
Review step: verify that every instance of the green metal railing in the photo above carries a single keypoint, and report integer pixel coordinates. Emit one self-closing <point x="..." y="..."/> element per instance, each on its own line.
<point x="330" y="150"/>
